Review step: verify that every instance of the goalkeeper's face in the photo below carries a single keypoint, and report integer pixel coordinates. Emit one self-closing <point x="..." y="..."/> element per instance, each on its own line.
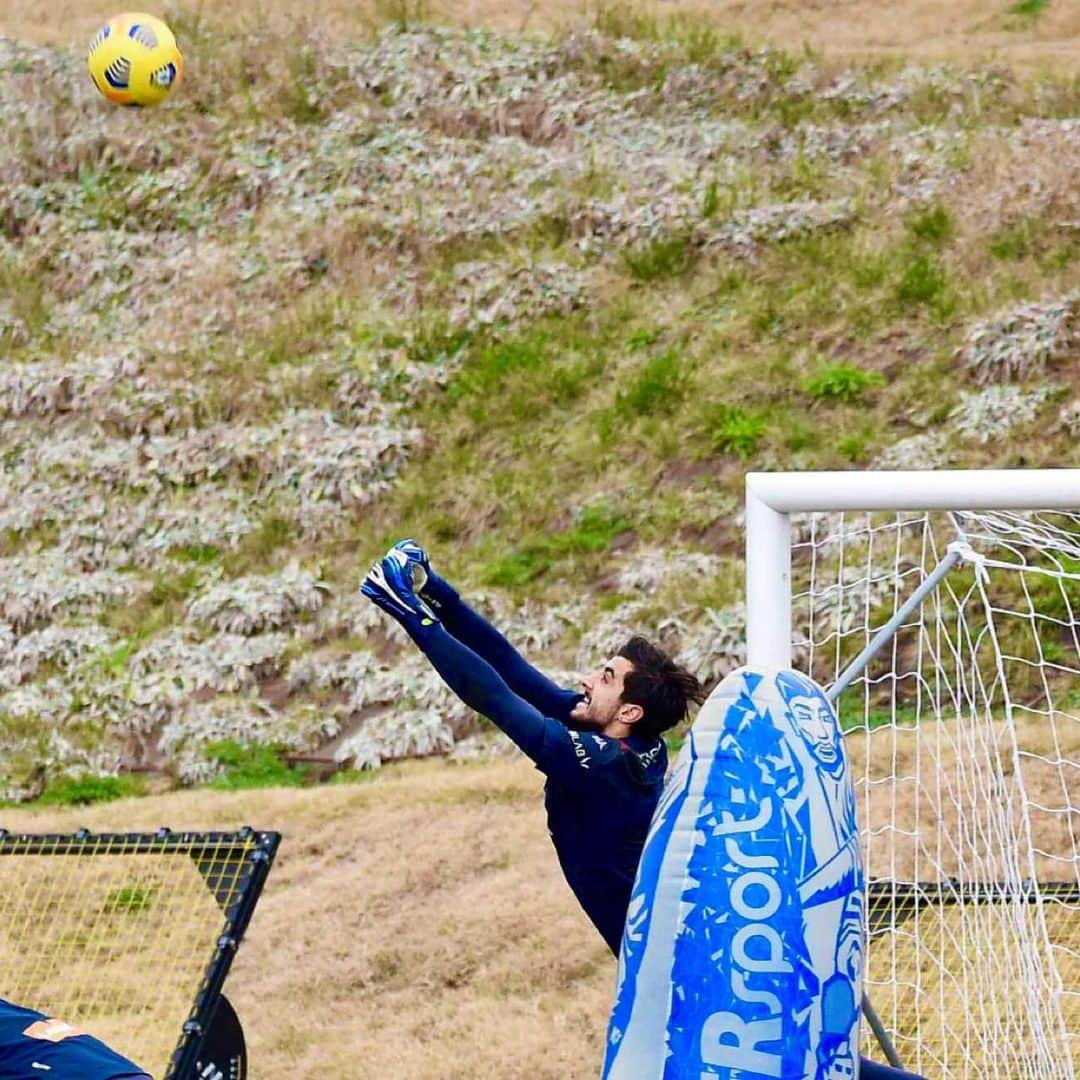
<point x="602" y="703"/>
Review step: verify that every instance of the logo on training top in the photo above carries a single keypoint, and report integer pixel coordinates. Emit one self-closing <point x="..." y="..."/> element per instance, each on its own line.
<point x="755" y="923"/>
<point x="52" y="1030"/>
<point x="579" y="750"/>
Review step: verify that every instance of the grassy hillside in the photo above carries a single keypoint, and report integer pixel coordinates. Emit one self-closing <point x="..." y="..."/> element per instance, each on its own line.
<point x="533" y="284"/>
<point x="537" y="300"/>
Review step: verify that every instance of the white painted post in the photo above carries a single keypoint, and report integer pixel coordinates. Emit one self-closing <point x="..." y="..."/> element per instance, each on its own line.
<point x="768" y="583"/>
<point x="946" y="489"/>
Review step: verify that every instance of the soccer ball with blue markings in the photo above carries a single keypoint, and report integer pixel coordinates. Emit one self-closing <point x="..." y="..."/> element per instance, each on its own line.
<point x="134" y="60"/>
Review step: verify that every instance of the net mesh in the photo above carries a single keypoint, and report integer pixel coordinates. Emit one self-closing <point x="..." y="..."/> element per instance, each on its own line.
<point x="964" y="736"/>
<point x="114" y="934"/>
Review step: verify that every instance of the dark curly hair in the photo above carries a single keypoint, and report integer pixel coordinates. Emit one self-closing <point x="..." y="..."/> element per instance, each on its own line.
<point x="662" y="688"/>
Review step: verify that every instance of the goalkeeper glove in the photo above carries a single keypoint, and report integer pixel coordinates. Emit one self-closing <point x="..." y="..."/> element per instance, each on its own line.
<point x="432" y="589"/>
<point x="389" y="584"/>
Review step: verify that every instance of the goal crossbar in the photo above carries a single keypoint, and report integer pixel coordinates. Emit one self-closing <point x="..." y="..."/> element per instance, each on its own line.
<point x="772" y="497"/>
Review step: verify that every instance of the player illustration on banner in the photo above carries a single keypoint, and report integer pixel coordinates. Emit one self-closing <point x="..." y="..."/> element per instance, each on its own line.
<point x="830" y="879"/>
<point x="836" y="1050"/>
<point x="824" y="792"/>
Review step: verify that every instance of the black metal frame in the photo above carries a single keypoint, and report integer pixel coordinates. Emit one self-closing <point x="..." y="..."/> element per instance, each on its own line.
<point x="888" y="900"/>
<point x="211" y="852"/>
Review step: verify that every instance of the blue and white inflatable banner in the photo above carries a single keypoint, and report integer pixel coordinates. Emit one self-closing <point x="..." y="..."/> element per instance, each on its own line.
<point x="742" y="953"/>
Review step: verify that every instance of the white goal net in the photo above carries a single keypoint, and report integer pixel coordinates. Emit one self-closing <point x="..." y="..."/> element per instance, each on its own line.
<point x="964" y="736"/>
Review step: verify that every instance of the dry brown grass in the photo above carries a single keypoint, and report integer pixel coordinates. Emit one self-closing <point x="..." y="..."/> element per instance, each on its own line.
<point x="414" y="926"/>
<point x="924" y="28"/>
<point x="928" y="800"/>
<point x="417" y="925"/>
<point x="952" y="974"/>
<point x="947" y="982"/>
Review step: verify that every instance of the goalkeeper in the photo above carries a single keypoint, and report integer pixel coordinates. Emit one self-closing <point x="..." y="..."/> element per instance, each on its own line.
<point x="33" y="1046"/>
<point x="600" y="748"/>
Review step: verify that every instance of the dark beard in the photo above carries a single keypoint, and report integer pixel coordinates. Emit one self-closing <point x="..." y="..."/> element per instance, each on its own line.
<point x="583" y="724"/>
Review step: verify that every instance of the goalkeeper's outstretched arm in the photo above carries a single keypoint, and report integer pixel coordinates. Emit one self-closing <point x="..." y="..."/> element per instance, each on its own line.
<point x="546" y="741"/>
<point x="477" y="634"/>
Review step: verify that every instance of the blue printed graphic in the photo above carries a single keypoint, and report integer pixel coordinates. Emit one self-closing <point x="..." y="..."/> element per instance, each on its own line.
<point x="639" y="916"/>
<point x="742" y="954"/>
<point x="118" y="73"/>
<point x="143" y="34"/>
<point x="164" y="76"/>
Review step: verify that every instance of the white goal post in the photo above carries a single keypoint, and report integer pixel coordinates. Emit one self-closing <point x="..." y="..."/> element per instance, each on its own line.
<point x="943" y="610"/>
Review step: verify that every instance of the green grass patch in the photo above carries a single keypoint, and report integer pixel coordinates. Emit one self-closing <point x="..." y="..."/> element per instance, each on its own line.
<point x="842" y="382"/>
<point x="593" y="532"/>
<point x="854" y="714"/>
<point x="114" y="662"/>
<point x="674" y="740"/>
<point x="854" y="448"/>
<point x="932" y="226"/>
<point x="433" y="340"/>
<point x="495" y="363"/>
<point x="157" y="609"/>
<point x="870" y="271"/>
<point x="517" y="568"/>
<point x="130" y="898"/>
<point x="922" y="282"/>
<point x="642" y="339"/>
<point x="512" y="383"/>
<point x="253" y="767"/>
<point x="1018" y="239"/>
<point x="1029" y="8"/>
<point x="735" y="430"/>
<point x="13" y="541"/>
<point x="1057" y="597"/>
<point x="29" y="304"/>
<point x="655" y="389"/>
<point x="710" y="200"/>
<point x="664" y="257"/>
<point x="689" y="38"/>
<point x="200" y="554"/>
<point x="87" y="790"/>
<point x="275" y="535"/>
<point x="169" y="588"/>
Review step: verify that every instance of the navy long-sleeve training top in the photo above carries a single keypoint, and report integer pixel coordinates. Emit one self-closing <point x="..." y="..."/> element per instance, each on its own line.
<point x="31" y="1044"/>
<point x="600" y="792"/>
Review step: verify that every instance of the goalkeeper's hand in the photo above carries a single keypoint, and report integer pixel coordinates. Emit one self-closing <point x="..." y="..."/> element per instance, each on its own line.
<point x="419" y="563"/>
<point x="429" y="586"/>
<point x="389" y="584"/>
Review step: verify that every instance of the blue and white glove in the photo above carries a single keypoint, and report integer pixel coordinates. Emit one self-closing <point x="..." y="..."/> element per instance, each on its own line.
<point x="418" y="561"/>
<point x="389" y="584"/>
<point x="432" y="589"/>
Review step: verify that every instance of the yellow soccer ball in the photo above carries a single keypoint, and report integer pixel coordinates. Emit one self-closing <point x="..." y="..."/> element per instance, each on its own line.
<point x="134" y="60"/>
